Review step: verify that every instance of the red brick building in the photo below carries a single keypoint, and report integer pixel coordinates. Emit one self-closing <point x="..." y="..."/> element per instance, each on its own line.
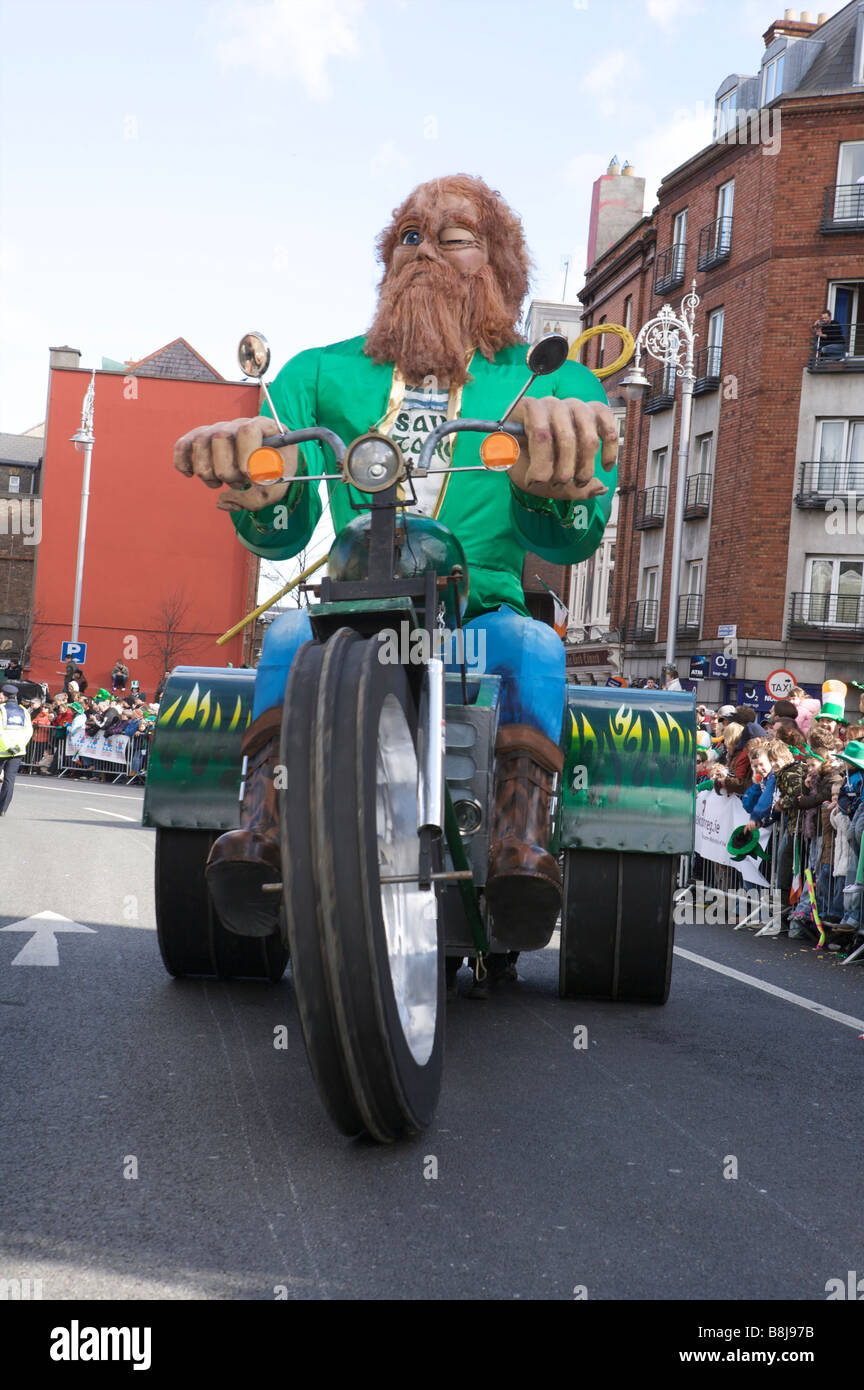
<point x="164" y="574"/>
<point x="769" y="222"/>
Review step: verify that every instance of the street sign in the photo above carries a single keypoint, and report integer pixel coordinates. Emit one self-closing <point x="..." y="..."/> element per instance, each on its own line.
<point x="722" y="667"/>
<point x="698" y="668"/>
<point x="780" y="684"/>
<point x="727" y="630"/>
<point x="74" y="651"/>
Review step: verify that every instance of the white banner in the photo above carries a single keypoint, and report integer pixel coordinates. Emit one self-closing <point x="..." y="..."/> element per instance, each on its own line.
<point x="716" y="817"/>
<point x="107" y="750"/>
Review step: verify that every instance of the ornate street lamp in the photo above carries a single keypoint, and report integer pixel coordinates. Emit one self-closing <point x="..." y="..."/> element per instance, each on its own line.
<point x="665" y="338"/>
<point x="83" y="439"/>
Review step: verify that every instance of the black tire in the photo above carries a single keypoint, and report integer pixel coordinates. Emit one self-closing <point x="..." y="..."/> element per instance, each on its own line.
<point x="192" y="939"/>
<point x="374" y="1032"/>
<point x="617" y="928"/>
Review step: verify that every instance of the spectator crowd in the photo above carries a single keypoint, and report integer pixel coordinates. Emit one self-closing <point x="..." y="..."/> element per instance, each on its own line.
<point x="800" y="772"/>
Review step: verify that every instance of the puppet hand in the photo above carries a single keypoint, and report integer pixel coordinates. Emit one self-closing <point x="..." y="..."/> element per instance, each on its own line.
<point x="556" y="458"/>
<point x="219" y="456"/>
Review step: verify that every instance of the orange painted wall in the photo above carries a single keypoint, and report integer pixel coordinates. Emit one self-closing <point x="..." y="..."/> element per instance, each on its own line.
<point x="150" y="531"/>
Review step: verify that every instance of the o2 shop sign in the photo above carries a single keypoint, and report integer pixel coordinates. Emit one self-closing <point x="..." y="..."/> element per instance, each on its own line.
<point x="780" y="685"/>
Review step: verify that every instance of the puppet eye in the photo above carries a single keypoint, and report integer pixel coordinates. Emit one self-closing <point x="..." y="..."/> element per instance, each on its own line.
<point x="410" y="238"/>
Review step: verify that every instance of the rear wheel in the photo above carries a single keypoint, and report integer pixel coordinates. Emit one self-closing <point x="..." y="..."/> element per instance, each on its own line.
<point x="617" y="926"/>
<point x="367" y="955"/>
<point x="192" y="939"/>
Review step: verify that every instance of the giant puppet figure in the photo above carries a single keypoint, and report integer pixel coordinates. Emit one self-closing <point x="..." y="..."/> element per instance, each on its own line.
<point x="444" y="342"/>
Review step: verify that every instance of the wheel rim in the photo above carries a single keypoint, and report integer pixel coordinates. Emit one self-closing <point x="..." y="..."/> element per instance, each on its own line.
<point x="410" y="914"/>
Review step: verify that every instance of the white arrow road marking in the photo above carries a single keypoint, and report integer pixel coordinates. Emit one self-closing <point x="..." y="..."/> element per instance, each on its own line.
<point x="41" y="949"/>
<point x="115" y="814"/>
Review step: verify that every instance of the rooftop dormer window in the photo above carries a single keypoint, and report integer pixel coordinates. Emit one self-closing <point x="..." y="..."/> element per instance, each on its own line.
<point x="772" y="79"/>
<point x="724" y="114"/>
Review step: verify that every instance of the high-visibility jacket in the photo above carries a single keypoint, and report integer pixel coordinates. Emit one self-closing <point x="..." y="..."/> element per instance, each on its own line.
<point x="16" y="729"/>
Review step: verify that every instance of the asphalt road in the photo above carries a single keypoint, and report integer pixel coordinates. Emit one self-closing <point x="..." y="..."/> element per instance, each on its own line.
<point x="155" y="1143"/>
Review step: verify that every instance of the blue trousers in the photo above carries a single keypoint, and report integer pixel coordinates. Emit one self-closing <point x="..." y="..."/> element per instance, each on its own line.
<point x="528" y="655"/>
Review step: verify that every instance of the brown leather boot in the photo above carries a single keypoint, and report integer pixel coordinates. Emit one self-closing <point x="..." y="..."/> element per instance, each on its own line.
<point x="523" y="888"/>
<point x="240" y="861"/>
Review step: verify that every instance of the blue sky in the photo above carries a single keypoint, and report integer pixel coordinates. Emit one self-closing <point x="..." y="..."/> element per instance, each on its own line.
<point x="199" y="169"/>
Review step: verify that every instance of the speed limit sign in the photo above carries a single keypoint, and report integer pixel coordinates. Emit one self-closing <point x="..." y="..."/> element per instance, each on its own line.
<point x="780" y="685"/>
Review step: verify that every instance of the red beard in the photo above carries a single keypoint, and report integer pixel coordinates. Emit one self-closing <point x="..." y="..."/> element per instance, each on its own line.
<point x="430" y="315"/>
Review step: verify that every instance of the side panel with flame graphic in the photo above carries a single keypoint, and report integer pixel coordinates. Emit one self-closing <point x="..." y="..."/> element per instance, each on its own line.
<point x="193" y="774"/>
<point x="629" y="773"/>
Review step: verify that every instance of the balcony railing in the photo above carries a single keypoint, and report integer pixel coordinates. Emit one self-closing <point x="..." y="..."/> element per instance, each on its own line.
<point x="642" y="620"/>
<point x="689" y="614"/>
<point x="850" y="353"/>
<point x="697" y="497"/>
<point x="839" y="616"/>
<point x="669" y="268"/>
<point x="715" y="243"/>
<point x="661" y="390"/>
<point x="843" y="210"/>
<point x="650" y="508"/>
<point x="706" y="368"/>
<point x="817" y="482"/>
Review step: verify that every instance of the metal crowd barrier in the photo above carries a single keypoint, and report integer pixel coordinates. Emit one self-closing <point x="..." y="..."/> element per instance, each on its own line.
<point x="47" y="752"/>
<point x="704" y="882"/>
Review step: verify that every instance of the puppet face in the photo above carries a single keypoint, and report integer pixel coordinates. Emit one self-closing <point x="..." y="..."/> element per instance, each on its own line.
<point x="455" y="273"/>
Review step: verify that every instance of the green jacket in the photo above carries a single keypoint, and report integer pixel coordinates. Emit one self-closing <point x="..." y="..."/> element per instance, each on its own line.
<point x="496" y="523"/>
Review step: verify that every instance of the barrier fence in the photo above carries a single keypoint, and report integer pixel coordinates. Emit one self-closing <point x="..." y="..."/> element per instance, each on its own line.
<point x="711" y="892"/>
<point x="122" y="758"/>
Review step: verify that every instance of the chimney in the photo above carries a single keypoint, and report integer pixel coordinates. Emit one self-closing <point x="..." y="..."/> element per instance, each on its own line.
<point x="791" y="26"/>
<point x="64" y="357"/>
<point x="617" y="201"/>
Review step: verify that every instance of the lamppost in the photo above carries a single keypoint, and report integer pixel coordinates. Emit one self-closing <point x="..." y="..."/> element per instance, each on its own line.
<point x="664" y="338"/>
<point x="83" y="439"/>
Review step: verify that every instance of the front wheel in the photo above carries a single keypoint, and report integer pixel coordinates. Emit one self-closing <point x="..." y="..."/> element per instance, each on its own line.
<point x="366" y="951"/>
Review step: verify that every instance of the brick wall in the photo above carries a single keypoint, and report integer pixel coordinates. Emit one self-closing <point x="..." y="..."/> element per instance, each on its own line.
<point x="772" y="288"/>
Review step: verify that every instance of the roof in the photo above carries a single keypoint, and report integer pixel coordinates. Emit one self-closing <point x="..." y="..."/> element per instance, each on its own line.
<point x="21" y="450"/>
<point x="833" y="66"/>
<point x="177" y="359"/>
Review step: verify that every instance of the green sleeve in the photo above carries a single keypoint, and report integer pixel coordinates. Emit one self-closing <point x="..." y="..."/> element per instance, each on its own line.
<point x="280" y="531"/>
<point x="566" y="532"/>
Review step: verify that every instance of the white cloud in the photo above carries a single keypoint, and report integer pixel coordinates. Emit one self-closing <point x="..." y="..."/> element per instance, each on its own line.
<point x="388" y="156"/>
<point x="666" y="13"/>
<point x="616" y="72"/>
<point x="299" y="37"/>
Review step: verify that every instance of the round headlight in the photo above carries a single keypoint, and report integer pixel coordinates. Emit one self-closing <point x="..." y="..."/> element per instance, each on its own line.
<point x="468" y="814"/>
<point x="373" y="462"/>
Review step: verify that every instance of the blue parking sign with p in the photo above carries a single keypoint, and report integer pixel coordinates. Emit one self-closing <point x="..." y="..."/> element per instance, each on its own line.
<point x="73" y="651"/>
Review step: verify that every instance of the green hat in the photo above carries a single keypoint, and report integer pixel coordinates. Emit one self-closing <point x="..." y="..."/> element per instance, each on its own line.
<point x="103" y="694"/>
<point x="854" y="753"/>
<point x="744" y="842"/>
<point x="75" y="705"/>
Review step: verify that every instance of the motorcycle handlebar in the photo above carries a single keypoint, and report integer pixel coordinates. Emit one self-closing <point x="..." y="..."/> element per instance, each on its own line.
<point x="281" y="441"/>
<point x="324" y="436"/>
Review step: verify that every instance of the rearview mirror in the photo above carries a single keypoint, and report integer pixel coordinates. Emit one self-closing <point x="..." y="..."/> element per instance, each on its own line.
<point x="253" y="355"/>
<point x="547" y="354"/>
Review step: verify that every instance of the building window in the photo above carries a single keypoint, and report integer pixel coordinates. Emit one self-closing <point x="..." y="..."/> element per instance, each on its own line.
<point x="840" y="454"/>
<point x="628" y="310"/>
<point x="724" y="114"/>
<point x="601" y="339"/>
<point x="14" y="482"/>
<point x="679" y="243"/>
<point x="834" y="591"/>
<point x="772" y="79"/>
<point x="702" y="453"/>
<point x="846" y="302"/>
<point x="716" y="320"/>
<point x="849" y="191"/>
<point x="649" y="585"/>
<point x="725" y="199"/>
